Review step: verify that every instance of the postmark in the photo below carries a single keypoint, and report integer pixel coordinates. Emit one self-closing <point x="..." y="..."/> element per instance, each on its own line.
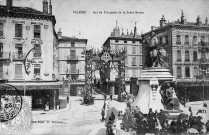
<point x="22" y="122"/>
<point x="11" y="102"/>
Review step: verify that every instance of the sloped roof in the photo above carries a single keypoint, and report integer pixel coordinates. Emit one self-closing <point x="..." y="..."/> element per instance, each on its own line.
<point x="25" y="12"/>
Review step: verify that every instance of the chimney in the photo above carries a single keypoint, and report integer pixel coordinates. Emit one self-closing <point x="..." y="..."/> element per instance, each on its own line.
<point x="206" y="21"/>
<point x="9" y="5"/>
<point x="135" y="31"/>
<point x="162" y="21"/>
<point x="198" y="20"/>
<point x="59" y="34"/>
<point x="45" y="6"/>
<point x="182" y="17"/>
<point x="50" y="7"/>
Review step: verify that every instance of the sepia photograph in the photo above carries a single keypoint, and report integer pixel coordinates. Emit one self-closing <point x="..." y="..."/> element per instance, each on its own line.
<point x="104" y="67"/>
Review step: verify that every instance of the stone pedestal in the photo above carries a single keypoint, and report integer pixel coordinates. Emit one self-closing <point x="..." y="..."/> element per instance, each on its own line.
<point x="149" y="97"/>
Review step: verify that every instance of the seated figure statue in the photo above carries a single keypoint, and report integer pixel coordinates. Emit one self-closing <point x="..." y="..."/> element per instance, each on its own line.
<point x="169" y="99"/>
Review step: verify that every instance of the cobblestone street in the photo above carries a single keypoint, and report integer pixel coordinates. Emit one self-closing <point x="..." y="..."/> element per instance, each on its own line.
<point x="78" y="120"/>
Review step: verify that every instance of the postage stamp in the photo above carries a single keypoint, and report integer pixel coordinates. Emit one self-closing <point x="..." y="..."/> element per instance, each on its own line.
<point x="15" y="110"/>
<point x="11" y="102"/>
<point x="21" y="123"/>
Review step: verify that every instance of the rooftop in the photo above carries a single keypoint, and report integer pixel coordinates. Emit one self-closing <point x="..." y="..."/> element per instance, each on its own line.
<point x="25" y="12"/>
<point x="180" y="23"/>
<point x="65" y="39"/>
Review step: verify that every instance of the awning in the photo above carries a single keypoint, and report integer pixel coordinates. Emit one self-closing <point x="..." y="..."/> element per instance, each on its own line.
<point x="37" y="85"/>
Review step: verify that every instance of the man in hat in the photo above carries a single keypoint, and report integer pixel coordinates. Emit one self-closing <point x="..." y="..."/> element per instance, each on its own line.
<point x="103" y="114"/>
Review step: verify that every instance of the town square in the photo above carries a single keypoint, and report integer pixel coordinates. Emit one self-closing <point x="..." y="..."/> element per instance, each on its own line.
<point x="104" y="67"/>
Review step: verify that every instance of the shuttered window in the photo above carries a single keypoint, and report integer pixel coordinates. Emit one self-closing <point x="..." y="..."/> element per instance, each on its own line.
<point x="37" y="31"/>
<point x="72" y="44"/>
<point x="178" y="39"/>
<point x="1" y="30"/>
<point x="179" y="75"/>
<point x="73" y="68"/>
<point x="194" y="55"/>
<point x="187" y="58"/>
<point x="187" y="71"/>
<point x="203" y="56"/>
<point x="178" y="55"/>
<point x="195" y="71"/>
<point x="18" y="71"/>
<point x="133" y="61"/>
<point x="194" y="39"/>
<point x="18" y="30"/>
<point x="186" y="40"/>
<point x="72" y="54"/>
<point x="37" y="48"/>
<point x="1" y="69"/>
<point x="133" y="50"/>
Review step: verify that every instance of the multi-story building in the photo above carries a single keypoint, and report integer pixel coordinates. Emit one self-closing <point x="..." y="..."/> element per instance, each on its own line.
<point x="28" y="52"/>
<point x="132" y="42"/>
<point x="186" y="45"/>
<point x="72" y="63"/>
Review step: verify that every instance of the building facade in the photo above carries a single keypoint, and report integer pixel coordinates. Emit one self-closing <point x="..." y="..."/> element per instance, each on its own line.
<point x="186" y="45"/>
<point x="28" y="52"/>
<point x="132" y="43"/>
<point x="72" y="63"/>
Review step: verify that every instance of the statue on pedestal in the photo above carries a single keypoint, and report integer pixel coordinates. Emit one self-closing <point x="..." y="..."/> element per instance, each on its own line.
<point x="156" y="53"/>
<point x="169" y="99"/>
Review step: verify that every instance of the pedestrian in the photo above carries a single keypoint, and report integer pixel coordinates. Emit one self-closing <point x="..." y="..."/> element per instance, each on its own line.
<point x="105" y="97"/>
<point x="112" y="117"/>
<point x="47" y="106"/>
<point x="103" y="114"/>
<point x="67" y="99"/>
<point x="111" y="96"/>
<point x="104" y="106"/>
<point x="190" y="110"/>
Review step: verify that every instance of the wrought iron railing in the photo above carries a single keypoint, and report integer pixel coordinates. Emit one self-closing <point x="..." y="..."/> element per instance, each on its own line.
<point x="4" y="55"/>
<point x="73" y="71"/>
<point x="18" y="56"/>
<point x="72" y="58"/>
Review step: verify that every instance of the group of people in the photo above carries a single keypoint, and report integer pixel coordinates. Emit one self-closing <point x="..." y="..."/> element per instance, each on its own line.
<point x="158" y="122"/>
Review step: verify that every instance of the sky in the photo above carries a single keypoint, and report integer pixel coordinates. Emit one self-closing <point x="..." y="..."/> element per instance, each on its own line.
<point x="97" y="27"/>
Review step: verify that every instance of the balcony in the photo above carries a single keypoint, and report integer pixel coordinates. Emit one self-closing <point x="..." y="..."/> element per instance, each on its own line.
<point x="73" y="72"/>
<point x="203" y="61"/>
<point x="203" y="44"/>
<point x="178" y="42"/>
<point x="4" y="55"/>
<point x="18" y="56"/>
<point x="72" y="58"/>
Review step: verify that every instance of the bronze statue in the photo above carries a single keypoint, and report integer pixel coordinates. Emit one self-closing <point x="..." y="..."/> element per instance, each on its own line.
<point x="155" y="54"/>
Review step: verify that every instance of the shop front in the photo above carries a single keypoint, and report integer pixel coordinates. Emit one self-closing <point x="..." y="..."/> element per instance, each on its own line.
<point x="193" y="91"/>
<point x="43" y="93"/>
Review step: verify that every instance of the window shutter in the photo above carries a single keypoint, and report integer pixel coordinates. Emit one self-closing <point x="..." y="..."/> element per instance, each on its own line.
<point x="1" y="29"/>
<point x="18" y="30"/>
<point x="73" y="68"/>
<point x="18" y="70"/>
<point x="1" y="70"/>
<point x="37" y="31"/>
<point x="72" y="54"/>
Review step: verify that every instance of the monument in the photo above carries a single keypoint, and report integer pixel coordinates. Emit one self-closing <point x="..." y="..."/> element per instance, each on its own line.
<point x="157" y="85"/>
